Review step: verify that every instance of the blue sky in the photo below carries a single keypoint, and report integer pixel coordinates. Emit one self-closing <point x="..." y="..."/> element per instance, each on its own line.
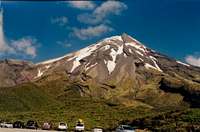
<point x="37" y="31"/>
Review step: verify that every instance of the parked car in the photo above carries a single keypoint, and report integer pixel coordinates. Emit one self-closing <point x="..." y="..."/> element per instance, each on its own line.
<point x="6" y="125"/>
<point x="125" y="128"/>
<point x="31" y="124"/>
<point x="79" y="126"/>
<point x="97" y="129"/>
<point x="18" y="124"/>
<point x="62" y="126"/>
<point x="46" y="126"/>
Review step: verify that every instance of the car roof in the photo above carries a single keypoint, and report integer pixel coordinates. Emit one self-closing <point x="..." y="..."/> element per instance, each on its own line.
<point x="62" y="123"/>
<point x="125" y="125"/>
<point x="99" y="127"/>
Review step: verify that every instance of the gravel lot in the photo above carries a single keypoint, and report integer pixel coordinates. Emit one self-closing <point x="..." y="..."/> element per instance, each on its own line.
<point x="21" y="130"/>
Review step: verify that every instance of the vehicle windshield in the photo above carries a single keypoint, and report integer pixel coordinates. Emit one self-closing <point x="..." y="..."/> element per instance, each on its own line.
<point x="128" y="128"/>
<point x="79" y="125"/>
<point x="62" y="124"/>
<point x="30" y="122"/>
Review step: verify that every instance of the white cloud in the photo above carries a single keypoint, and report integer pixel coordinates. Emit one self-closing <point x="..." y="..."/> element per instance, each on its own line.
<point x="87" y="33"/>
<point x="90" y="18"/>
<point x="25" y="46"/>
<point x="107" y="7"/>
<point x="60" y="20"/>
<point x="21" y="47"/>
<point x="87" y="5"/>
<point x="100" y="13"/>
<point x="4" y="47"/>
<point x="193" y="60"/>
<point x="65" y="43"/>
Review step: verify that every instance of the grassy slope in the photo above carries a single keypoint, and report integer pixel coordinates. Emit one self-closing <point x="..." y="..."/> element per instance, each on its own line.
<point x="178" y="120"/>
<point x="27" y="97"/>
<point x="55" y="101"/>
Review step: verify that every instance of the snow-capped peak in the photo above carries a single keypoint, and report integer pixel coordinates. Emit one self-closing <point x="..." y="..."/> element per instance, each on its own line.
<point x="114" y="48"/>
<point x="127" y="39"/>
<point x="81" y="52"/>
<point x="118" y="37"/>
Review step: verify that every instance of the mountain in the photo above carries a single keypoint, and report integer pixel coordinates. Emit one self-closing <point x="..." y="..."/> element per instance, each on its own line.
<point x="120" y="69"/>
<point x="116" y="80"/>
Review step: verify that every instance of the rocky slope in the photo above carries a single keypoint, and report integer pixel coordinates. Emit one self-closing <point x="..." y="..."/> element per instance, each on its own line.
<point x="13" y="72"/>
<point x="118" y="68"/>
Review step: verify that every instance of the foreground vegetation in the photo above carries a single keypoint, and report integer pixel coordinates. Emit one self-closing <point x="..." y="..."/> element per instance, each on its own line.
<point x="178" y="120"/>
<point x="55" y="102"/>
<point x="30" y="102"/>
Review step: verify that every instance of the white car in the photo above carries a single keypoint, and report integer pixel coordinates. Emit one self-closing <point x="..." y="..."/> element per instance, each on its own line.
<point x="6" y="125"/>
<point x="125" y="128"/>
<point x="97" y="130"/>
<point x="79" y="127"/>
<point x="62" y="126"/>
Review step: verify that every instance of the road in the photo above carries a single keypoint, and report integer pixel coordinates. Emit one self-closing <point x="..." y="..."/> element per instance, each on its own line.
<point x="21" y="130"/>
<point x="25" y="130"/>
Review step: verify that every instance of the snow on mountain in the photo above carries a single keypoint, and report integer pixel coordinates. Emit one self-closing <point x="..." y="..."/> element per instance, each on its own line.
<point x="52" y="60"/>
<point x="39" y="73"/>
<point x="110" y="52"/>
<point x="154" y="61"/>
<point x="182" y="63"/>
<point x="111" y="63"/>
<point x="115" y="45"/>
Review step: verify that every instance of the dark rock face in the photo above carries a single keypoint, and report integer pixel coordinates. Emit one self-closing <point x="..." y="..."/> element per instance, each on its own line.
<point x="118" y="68"/>
<point x="191" y="96"/>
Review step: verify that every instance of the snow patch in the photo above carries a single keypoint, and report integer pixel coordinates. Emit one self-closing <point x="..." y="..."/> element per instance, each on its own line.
<point x="130" y="50"/>
<point x="39" y="74"/>
<point x="75" y="65"/>
<point x="125" y="55"/>
<point x="79" y="55"/>
<point x="148" y="66"/>
<point x="53" y="60"/>
<point x="137" y="46"/>
<point x="113" y="38"/>
<point x="48" y="66"/>
<point x="111" y="63"/>
<point x="71" y="58"/>
<point x="91" y="66"/>
<point x="105" y="61"/>
<point x="182" y="63"/>
<point x="91" y="47"/>
<point x="154" y="61"/>
<point x="141" y="59"/>
<point x="106" y="47"/>
<point x="110" y="66"/>
<point x="139" y="53"/>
